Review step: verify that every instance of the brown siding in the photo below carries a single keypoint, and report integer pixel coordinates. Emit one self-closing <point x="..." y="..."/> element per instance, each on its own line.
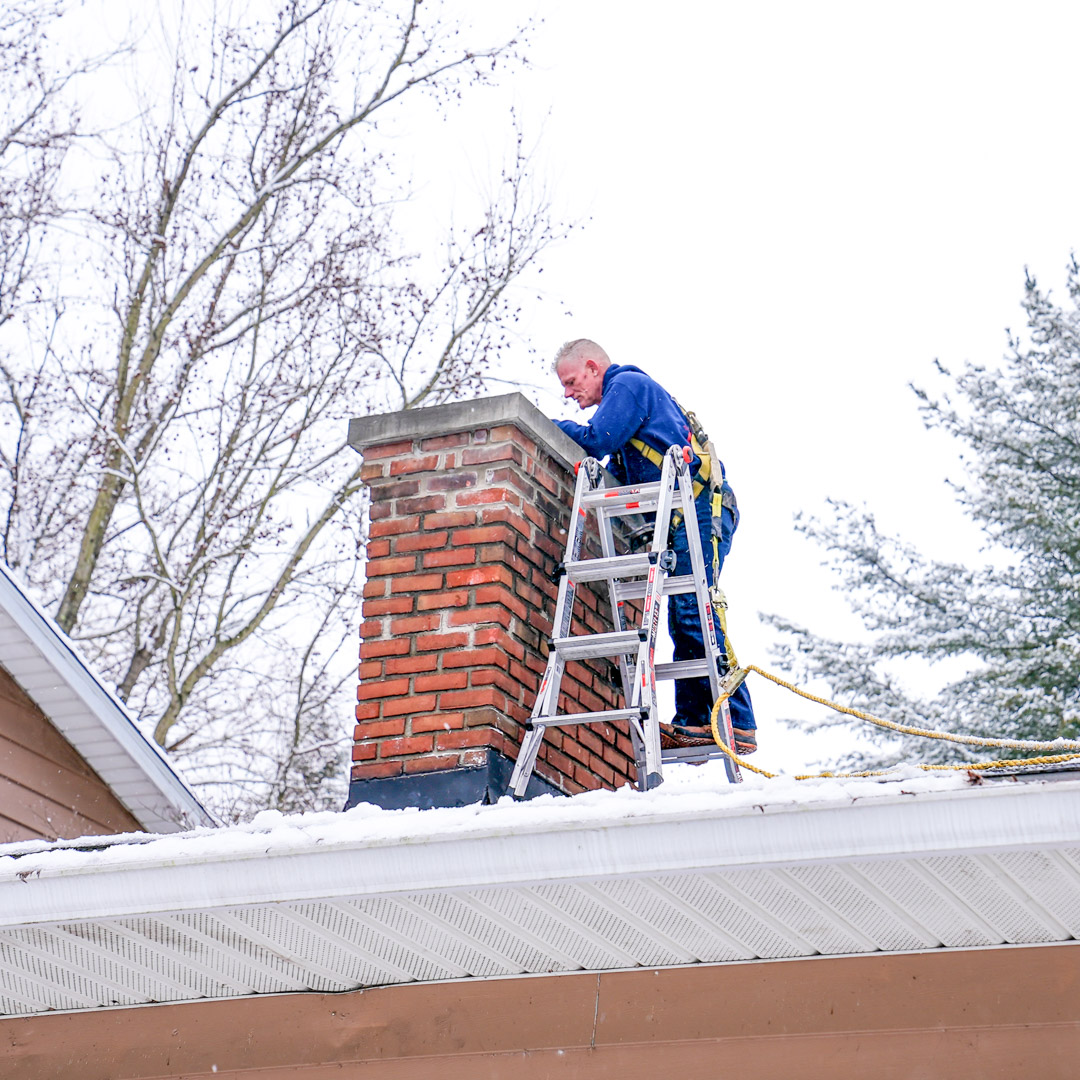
<point x="995" y="1014"/>
<point x="46" y="789"/>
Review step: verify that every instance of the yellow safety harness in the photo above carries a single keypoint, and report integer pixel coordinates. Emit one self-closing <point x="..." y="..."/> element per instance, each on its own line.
<point x="703" y="478"/>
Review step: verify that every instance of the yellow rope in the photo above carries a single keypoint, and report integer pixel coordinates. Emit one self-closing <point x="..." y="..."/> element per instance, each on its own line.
<point x="971" y="740"/>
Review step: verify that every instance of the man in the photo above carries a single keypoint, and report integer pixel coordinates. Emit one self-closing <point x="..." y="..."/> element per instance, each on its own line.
<point x="634" y="407"/>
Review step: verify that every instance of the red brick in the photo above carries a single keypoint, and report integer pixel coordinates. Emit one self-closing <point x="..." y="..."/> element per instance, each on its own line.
<point x="486" y="717"/>
<point x="503" y="553"/>
<point x="364" y="751"/>
<point x="368" y="710"/>
<point x="542" y="521"/>
<point x="405" y="665"/>
<point x="431" y="764"/>
<point x="495" y="677"/>
<point x="377" y="770"/>
<point x="458" y="740"/>
<point x="414" y="744"/>
<point x="395" y="527"/>
<point x="414" y="464"/>
<point x="442" y="442"/>
<point x="370" y="669"/>
<point x="453" y="481"/>
<point x="479" y="575"/>
<point x="396" y="489"/>
<point x="487" y="495"/>
<point x="396" y="564"/>
<point x="481" y="534"/>
<point x="473" y="758"/>
<point x="371" y="472"/>
<point x="449" y="680"/>
<point x="469" y="699"/>
<point x="495" y="514"/>
<point x="371" y="628"/>
<point x="368" y="691"/>
<point x="441" y="642"/>
<point x="476" y="658"/>
<point x="417" y="583"/>
<point x="503" y="452"/>
<point x="414" y="624"/>
<point x="378" y="729"/>
<point x="386" y="450"/>
<point x="414" y="703"/>
<point x="374" y="588"/>
<point x="424" y="541"/>
<point x="505" y="432"/>
<point x="557" y="760"/>
<point x="576" y="750"/>
<point x="377" y="549"/>
<point x="490" y="613"/>
<point x="451" y="557"/>
<point x="431" y="601"/>
<point x="440" y="721"/>
<point x="390" y="605"/>
<point x="586" y="779"/>
<point x="498" y="594"/>
<point x="588" y="737"/>
<point x="451" y="520"/>
<point x="369" y="650"/>
<point x="420" y="505"/>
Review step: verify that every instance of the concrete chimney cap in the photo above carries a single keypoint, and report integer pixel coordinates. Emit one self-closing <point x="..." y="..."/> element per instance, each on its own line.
<point x="487" y="412"/>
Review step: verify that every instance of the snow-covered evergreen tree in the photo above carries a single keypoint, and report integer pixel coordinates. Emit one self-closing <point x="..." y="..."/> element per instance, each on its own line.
<point x="1015" y="622"/>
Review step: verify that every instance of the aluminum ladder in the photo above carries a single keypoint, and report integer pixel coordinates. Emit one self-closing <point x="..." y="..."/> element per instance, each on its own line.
<point x="647" y="576"/>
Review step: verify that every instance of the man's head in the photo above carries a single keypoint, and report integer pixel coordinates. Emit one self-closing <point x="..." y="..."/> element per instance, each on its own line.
<point x="580" y="366"/>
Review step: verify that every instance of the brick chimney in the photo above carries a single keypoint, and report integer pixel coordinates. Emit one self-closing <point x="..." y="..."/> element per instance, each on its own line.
<point x="469" y="509"/>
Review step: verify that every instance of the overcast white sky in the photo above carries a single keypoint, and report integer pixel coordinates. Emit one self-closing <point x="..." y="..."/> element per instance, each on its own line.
<point x="792" y="210"/>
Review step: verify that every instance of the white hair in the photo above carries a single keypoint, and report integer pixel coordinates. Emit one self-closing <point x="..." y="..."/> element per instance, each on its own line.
<point x="581" y="349"/>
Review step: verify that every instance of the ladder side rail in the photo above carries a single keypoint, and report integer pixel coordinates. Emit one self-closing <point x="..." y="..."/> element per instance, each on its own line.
<point x="650" y="625"/>
<point x="705" y="610"/>
<point x="701" y="581"/>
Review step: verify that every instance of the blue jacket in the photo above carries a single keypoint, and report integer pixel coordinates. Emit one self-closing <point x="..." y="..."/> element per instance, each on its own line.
<point x="631" y="406"/>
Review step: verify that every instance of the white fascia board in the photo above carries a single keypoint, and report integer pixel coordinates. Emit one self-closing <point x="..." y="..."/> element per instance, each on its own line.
<point x="502" y="847"/>
<point x="95" y="721"/>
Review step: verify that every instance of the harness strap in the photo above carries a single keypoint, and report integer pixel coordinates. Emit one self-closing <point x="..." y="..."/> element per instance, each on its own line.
<point x="704" y="472"/>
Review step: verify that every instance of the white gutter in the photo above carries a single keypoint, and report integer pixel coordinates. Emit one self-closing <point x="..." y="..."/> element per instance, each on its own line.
<point x="500" y="847"/>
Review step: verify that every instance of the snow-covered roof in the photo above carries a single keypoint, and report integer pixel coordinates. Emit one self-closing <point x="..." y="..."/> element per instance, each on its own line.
<point x="42" y="660"/>
<point x="695" y="872"/>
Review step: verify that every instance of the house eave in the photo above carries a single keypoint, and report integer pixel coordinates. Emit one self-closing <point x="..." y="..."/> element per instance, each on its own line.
<point x="379" y="897"/>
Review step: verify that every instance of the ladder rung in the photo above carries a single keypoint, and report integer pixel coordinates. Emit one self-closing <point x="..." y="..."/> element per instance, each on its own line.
<point x="691" y="754"/>
<point x="683" y="669"/>
<point x="567" y="719"/>
<point x="614" y="566"/>
<point x="635" y="590"/>
<point x="639" y="499"/>
<point x="615" y="643"/>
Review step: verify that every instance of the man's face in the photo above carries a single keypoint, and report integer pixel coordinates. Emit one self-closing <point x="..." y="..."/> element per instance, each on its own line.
<point x="582" y="380"/>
